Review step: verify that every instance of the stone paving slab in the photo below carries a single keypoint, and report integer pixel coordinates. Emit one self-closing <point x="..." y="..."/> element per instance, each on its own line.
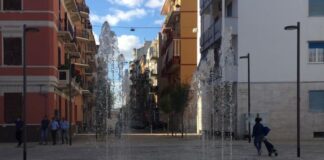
<point x="147" y="147"/>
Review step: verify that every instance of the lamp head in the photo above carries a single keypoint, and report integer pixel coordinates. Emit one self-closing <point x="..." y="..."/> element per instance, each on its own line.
<point x="291" y="28"/>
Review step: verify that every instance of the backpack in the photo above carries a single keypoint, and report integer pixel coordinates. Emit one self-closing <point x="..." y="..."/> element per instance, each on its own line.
<point x="266" y="131"/>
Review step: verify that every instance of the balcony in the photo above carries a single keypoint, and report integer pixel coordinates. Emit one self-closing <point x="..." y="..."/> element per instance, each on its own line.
<point x="87" y="24"/>
<point x="171" y="59"/>
<point x="84" y="10"/>
<point x="91" y="48"/>
<point x="213" y="33"/>
<point x="82" y="34"/>
<point x="170" y="19"/>
<point x="66" y="30"/>
<point x="204" y="4"/>
<point x="88" y="71"/>
<point x="71" y="5"/>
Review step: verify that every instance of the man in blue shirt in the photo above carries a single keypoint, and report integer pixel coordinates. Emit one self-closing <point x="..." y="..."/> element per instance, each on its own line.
<point x="64" y="129"/>
<point x="54" y="127"/>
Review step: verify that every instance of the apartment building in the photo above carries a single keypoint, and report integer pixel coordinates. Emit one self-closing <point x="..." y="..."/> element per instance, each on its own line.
<point x="258" y="29"/>
<point x="64" y="37"/>
<point x="178" y="47"/>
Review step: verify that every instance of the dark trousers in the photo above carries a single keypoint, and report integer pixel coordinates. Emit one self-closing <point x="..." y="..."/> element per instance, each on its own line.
<point x="54" y="132"/>
<point x="64" y="136"/>
<point x="19" y="137"/>
<point x="258" y="143"/>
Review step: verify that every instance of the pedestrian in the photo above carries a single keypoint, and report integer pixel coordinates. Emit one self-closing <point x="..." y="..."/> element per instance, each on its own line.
<point x="19" y="130"/>
<point x="118" y="129"/>
<point x="54" y="127"/>
<point x="258" y="134"/>
<point x="44" y="130"/>
<point x="64" y="128"/>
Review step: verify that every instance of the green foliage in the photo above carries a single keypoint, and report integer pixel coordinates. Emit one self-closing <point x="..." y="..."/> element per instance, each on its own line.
<point x="165" y="104"/>
<point x="175" y="99"/>
<point x="179" y="97"/>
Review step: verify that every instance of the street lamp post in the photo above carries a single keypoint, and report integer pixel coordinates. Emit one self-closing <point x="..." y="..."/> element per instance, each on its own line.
<point x="297" y="27"/>
<point x="249" y="94"/>
<point x="25" y="30"/>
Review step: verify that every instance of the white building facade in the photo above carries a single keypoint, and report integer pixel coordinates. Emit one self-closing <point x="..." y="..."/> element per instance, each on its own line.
<point x="258" y="29"/>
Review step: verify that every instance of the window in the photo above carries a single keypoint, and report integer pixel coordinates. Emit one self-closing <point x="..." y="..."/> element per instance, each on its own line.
<point x="12" y="106"/>
<point x="229" y="10"/>
<point x="12" y="51"/>
<point x="316" y="8"/>
<point x="11" y="5"/>
<point x="316" y="101"/>
<point x="59" y="57"/>
<point x="316" y="52"/>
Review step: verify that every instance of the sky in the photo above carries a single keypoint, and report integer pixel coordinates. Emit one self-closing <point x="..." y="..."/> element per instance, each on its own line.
<point x="127" y="13"/>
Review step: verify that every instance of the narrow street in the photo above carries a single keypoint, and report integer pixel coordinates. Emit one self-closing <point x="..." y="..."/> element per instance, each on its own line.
<point x="155" y="147"/>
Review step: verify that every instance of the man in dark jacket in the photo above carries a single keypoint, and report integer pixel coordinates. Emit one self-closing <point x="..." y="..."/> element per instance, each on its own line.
<point x="19" y="130"/>
<point x="258" y="134"/>
<point x="44" y="129"/>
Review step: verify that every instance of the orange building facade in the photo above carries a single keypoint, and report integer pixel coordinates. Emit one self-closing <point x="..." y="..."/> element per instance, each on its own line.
<point x="64" y="31"/>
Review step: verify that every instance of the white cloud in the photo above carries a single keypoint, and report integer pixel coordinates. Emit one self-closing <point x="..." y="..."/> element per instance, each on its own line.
<point x="118" y="16"/>
<point x="96" y="37"/>
<point x="126" y="44"/>
<point x="154" y="3"/>
<point x="159" y="21"/>
<point x="128" y="3"/>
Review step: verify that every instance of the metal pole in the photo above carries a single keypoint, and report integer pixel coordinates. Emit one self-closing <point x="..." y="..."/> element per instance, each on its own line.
<point x="298" y="89"/>
<point x="24" y="94"/>
<point x="70" y="100"/>
<point x="249" y="96"/>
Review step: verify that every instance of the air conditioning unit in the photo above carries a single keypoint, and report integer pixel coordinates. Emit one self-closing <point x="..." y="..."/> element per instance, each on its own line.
<point x="64" y="76"/>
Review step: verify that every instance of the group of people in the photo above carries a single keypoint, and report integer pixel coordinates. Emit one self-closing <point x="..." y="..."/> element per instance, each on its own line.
<point x="56" y="126"/>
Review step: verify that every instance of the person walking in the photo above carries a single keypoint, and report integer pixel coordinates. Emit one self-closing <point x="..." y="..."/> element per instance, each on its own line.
<point x="44" y="130"/>
<point x="19" y="130"/>
<point x="54" y="127"/>
<point x="64" y="128"/>
<point x="258" y="134"/>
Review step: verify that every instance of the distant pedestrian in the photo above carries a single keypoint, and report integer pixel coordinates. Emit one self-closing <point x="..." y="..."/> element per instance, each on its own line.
<point x="118" y="129"/>
<point x="44" y="130"/>
<point x="54" y="127"/>
<point x="258" y="134"/>
<point x="64" y="129"/>
<point x="19" y="130"/>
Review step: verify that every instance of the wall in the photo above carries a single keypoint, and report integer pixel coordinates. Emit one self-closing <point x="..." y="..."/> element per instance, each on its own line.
<point x="272" y="49"/>
<point x="277" y="103"/>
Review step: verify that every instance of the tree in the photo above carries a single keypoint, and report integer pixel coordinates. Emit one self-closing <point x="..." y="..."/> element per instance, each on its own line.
<point x="166" y="107"/>
<point x="179" y="97"/>
<point x="173" y="101"/>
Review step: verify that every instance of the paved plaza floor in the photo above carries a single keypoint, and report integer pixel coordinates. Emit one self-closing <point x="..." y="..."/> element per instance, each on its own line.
<point x="158" y="147"/>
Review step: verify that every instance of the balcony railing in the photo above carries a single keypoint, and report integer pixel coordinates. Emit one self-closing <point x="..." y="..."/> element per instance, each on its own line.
<point x="83" y="34"/>
<point x="65" y="26"/>
<point x="204" y="4"/>
<point x="172" y="56"/>
<point x="83" y="8"/>
<point x="213" y="33"/>
<point x="71" y="5"/>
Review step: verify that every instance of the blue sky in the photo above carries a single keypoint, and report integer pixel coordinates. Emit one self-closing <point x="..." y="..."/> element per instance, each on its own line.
<point x="127" y="13"/>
